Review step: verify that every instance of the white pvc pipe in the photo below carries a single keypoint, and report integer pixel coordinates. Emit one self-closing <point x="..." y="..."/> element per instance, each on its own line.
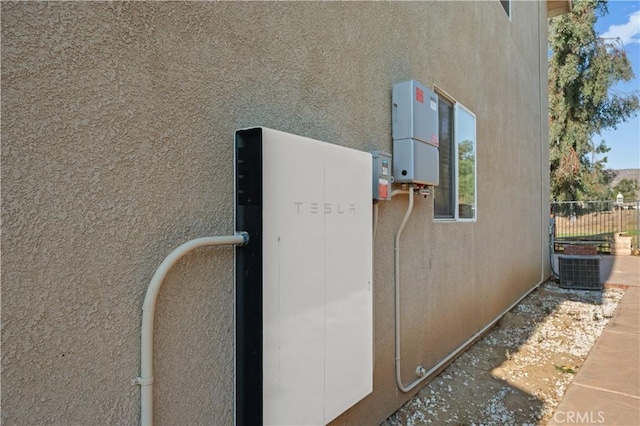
<point x="423" y="375"/>
<point x="399" y="191"/>
<point x="401" y="386"/>
<point x="375" y="209"/>
<point x="148" y="309"/>
<point x="443" y="362"/>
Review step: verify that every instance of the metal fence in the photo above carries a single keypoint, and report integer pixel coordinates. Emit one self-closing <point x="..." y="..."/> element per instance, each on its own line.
<point x="595" y="223"/>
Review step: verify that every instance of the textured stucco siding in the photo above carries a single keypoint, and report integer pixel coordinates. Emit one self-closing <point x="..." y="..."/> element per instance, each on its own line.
<point x="117" y="130"/>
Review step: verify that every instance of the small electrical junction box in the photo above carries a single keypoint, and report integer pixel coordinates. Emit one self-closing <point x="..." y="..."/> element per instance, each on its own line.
<point x="382" y="177"/>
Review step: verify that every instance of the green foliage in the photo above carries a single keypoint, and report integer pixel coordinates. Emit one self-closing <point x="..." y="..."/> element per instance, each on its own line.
<point x="582" y="69"/>
<point x="466" y="180"/>
<point x="628" y="188"/>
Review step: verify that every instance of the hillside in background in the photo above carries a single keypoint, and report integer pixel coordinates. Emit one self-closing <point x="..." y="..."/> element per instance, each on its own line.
<point x="627" y="174"/>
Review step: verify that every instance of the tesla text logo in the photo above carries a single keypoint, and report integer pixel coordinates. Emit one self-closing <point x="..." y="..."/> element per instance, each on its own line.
<point x="324" y="208"/>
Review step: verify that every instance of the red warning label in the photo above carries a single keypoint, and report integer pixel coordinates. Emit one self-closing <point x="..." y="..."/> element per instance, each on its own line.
<point x="419" y="95"/>
<point x="383" y="191"/>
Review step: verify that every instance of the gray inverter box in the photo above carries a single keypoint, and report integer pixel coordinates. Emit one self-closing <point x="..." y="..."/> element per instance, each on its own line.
<point x="415" y="134"/>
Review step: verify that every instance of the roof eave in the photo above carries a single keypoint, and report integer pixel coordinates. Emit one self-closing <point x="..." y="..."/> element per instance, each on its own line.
<point x="558" y="7"/>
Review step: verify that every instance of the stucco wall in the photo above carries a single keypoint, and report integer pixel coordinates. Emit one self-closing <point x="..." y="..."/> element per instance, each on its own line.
<point x="117" y="128"/>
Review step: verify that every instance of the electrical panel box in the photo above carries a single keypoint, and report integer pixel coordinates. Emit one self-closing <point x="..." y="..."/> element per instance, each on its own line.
<point x="304" y="300"/>
<point x="415" y="134"/>
<point x="382" y="178"/>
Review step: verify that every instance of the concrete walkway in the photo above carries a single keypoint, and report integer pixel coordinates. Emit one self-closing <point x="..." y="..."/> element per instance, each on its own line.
<point x="606" y="390"/>
<point x="620" y="271"/>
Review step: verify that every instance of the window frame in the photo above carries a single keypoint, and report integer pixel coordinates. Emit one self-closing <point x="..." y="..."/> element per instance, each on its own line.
<point x="450" y="103"/>
<point x="456" y="123"/>
<point x="457" y="107"/>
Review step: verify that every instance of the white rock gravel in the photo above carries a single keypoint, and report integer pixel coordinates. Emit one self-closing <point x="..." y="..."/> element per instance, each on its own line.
<point x="519" y="371"/>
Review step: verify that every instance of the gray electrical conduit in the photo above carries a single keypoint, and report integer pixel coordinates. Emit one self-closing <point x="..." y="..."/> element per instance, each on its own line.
<point x="415" y="383"/>
<point x="148" y="309"/>
<point x="423" y="374"/>
<point x="551" y="232"/>
<point x="376" y="205"/>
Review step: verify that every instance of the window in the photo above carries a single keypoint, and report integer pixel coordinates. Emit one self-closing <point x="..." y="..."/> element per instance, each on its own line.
<point x="466" y="155"/>
<point x="506" y="5"/>
<point x="444" y="192"/>
<point x="455" y="196"/>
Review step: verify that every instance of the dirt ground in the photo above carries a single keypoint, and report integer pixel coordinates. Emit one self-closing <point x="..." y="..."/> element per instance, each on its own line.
<point x="519" y="371"/>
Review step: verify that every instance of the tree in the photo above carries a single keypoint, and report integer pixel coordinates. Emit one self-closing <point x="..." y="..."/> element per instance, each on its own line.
<point x="466" y="180"/>
<point x="628" y="188"/>
<point x="582" y="69"/>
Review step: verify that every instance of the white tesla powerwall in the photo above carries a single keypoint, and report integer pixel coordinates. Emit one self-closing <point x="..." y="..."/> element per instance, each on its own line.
<point x="304" y="330"/>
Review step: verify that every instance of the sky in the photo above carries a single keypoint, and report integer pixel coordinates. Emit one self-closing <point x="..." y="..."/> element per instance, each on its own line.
<point x="623" y="21"/>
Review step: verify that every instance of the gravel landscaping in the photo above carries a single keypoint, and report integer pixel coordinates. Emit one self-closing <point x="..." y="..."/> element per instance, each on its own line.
<point x="519" y="371"/>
